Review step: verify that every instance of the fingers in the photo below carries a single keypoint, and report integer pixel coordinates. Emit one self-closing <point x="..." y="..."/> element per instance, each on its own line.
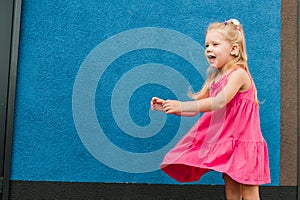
<point x="171" y="106"/>
<point x="157" y="100"/>
<point x="167" y="106"/>
<point x="156" y="103"/>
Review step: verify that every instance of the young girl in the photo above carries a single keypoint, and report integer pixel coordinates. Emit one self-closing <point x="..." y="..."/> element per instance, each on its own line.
<point x="227" y="137"/>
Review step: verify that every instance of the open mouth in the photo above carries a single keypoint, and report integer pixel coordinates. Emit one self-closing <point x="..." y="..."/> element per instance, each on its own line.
<point x="211" y="57"/>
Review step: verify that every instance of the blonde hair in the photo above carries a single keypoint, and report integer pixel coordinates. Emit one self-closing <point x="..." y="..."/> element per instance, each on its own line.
<point x="233" y="32"/>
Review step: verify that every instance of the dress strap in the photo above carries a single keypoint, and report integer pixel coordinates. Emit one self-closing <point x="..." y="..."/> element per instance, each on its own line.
<point x="250" y="77"/>
<point x="228" y="74"/>
<point x="251" y="85"/>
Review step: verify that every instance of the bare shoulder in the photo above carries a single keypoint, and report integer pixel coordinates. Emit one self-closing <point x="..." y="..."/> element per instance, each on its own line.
<point x="240" y="74"/>
<point x="241" y="77"/>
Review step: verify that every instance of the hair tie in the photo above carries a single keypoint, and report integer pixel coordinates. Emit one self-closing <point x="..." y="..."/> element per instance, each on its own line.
<point x="235" y="22"/>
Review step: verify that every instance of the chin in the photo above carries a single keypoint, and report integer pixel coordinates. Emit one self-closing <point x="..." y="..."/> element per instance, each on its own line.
<point x="214" y="66"/>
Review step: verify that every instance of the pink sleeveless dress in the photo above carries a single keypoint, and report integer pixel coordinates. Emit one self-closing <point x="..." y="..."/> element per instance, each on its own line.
<point x="228" y="140"/>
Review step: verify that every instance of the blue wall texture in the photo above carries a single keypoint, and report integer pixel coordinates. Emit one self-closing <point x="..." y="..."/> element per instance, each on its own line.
<point x="88" y="69"/>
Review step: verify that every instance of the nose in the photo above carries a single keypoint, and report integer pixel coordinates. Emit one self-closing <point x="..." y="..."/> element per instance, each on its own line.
<point x="208" y="50"/>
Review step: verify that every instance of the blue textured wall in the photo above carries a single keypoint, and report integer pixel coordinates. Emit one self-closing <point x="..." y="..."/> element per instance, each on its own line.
<point x="88" y="69"/>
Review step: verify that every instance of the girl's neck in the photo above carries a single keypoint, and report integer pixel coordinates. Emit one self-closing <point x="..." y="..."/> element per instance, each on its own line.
<point x="223" y="70"/>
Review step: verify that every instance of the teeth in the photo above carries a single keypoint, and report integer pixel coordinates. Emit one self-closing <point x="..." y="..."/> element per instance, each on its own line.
<point x="211" y="56"/>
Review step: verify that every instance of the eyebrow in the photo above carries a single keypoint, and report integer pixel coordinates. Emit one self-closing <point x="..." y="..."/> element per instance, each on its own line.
<point x="213" y="41"/>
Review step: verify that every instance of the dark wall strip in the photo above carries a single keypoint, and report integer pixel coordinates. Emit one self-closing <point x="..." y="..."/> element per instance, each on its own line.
<point x="298" y="100"/>
<point x="5" y="44"/>
<point x="288" y="115"/>
<point x="10" y="12"/>
<point x="63" y="190"/>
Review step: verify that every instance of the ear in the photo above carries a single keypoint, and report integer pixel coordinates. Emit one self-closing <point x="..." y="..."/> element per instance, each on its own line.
<point x="235" y="49"/>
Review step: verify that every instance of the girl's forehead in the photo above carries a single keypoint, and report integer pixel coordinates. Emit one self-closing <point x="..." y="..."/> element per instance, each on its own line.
<point x="214" y="35"/>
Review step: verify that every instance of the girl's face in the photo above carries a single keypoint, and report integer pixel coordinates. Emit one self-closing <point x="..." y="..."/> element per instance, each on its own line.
<point x="218" y="50"/>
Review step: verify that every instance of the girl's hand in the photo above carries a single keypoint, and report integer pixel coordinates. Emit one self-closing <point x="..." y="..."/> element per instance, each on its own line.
<point x="172" y="107"/>
<point x="157" y="104"/>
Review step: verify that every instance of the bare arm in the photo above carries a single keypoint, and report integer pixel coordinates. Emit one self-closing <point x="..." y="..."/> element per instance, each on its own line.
<point x="192" y="114"/>
<point x="237" y="80"/>
<point x="186" y="114"/>
<point x="157" y="104"/>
